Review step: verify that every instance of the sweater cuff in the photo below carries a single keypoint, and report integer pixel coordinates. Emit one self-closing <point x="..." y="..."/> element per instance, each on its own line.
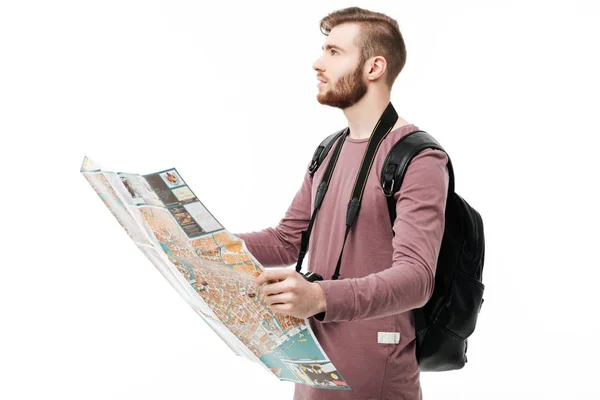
<point x="339" y="301"/>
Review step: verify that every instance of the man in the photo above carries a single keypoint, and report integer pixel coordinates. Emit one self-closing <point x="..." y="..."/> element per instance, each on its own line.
<point x="383" y="277"/>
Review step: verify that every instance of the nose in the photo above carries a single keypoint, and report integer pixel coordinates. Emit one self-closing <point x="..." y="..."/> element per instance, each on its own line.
<point x="317" y="66"/>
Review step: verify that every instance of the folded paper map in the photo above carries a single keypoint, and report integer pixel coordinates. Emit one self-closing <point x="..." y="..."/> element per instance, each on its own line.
<point x="213" y="271"/>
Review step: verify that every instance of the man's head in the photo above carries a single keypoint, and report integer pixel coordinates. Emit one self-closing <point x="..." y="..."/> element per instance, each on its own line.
<point x="363" y="48"/>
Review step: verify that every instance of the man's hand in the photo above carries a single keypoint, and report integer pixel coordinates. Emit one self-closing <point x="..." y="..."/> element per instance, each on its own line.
<point x="287" y="292"/>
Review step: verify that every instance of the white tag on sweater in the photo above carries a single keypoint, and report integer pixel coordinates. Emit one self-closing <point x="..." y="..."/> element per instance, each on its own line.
<point x="388" y="337"/>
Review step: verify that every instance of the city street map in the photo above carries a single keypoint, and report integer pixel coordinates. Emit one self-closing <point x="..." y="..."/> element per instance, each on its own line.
<point x="213" y="271"/>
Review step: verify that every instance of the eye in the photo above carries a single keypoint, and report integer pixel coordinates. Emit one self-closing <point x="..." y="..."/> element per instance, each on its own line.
<point x="334" y="51"/>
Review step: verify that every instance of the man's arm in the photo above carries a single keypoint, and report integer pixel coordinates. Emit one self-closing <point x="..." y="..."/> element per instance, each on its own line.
<point x="280" y="246"/>
<point x="419" y="227"/>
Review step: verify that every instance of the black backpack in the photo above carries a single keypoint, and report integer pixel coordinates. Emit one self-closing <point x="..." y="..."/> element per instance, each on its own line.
<point x="446" y="321"/>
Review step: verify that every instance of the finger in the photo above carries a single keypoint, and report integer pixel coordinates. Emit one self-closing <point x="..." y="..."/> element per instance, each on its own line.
<point x="271" y="275"/>
<point x="275" y="288"/>
<point x="281" y="308"/>
<point x="278" y="299"/>
<point x="262" y="278"/>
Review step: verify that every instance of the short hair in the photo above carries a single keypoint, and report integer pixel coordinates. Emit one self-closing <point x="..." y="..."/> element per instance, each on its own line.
<point x="379" y="36"/>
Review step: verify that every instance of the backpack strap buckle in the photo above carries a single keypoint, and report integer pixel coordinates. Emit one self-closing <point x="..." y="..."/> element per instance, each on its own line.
<point x="389" y="178"/>
<point x="387" y="190"/>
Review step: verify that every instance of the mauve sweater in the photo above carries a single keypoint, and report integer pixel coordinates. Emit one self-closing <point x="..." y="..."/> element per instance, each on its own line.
<point x="382" y="277"/>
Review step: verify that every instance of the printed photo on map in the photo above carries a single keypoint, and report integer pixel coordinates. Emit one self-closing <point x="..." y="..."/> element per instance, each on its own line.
<point x="138" y="189"/>
<point x="316" y="373"/>
<point x="187" y="223"/>
<point x="172" y="178"/>
<point x="184" y="194"/>
<point x="202" y="216"/>
<point x="161" y="189"/>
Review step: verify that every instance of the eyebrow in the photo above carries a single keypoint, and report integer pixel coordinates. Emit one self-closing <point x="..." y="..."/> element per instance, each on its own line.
<point x="332" y="46"/>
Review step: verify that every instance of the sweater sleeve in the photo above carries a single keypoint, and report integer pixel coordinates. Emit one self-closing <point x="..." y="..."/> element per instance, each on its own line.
<point x="418" y="227"/>
<point x="280" y="246"/>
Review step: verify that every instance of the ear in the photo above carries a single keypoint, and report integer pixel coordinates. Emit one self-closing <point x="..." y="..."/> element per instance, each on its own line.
<point x="376" y="67"/>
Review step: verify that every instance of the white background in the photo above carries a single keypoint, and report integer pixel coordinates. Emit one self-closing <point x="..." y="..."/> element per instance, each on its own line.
<point x="225" y="92"/>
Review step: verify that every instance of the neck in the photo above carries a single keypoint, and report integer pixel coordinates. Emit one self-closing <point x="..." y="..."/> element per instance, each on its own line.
<point x="363" y="115"/>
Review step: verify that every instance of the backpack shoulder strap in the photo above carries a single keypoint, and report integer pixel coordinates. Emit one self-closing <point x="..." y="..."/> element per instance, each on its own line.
<point x="397" y="161"/>
<point x="322" y="150"/>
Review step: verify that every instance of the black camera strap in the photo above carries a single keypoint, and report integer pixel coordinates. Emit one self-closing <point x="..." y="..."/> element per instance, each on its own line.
<point x="382" y="128"/>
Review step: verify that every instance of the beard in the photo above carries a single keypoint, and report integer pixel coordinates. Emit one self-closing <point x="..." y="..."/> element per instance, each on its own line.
<point x="346" y="92"/>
